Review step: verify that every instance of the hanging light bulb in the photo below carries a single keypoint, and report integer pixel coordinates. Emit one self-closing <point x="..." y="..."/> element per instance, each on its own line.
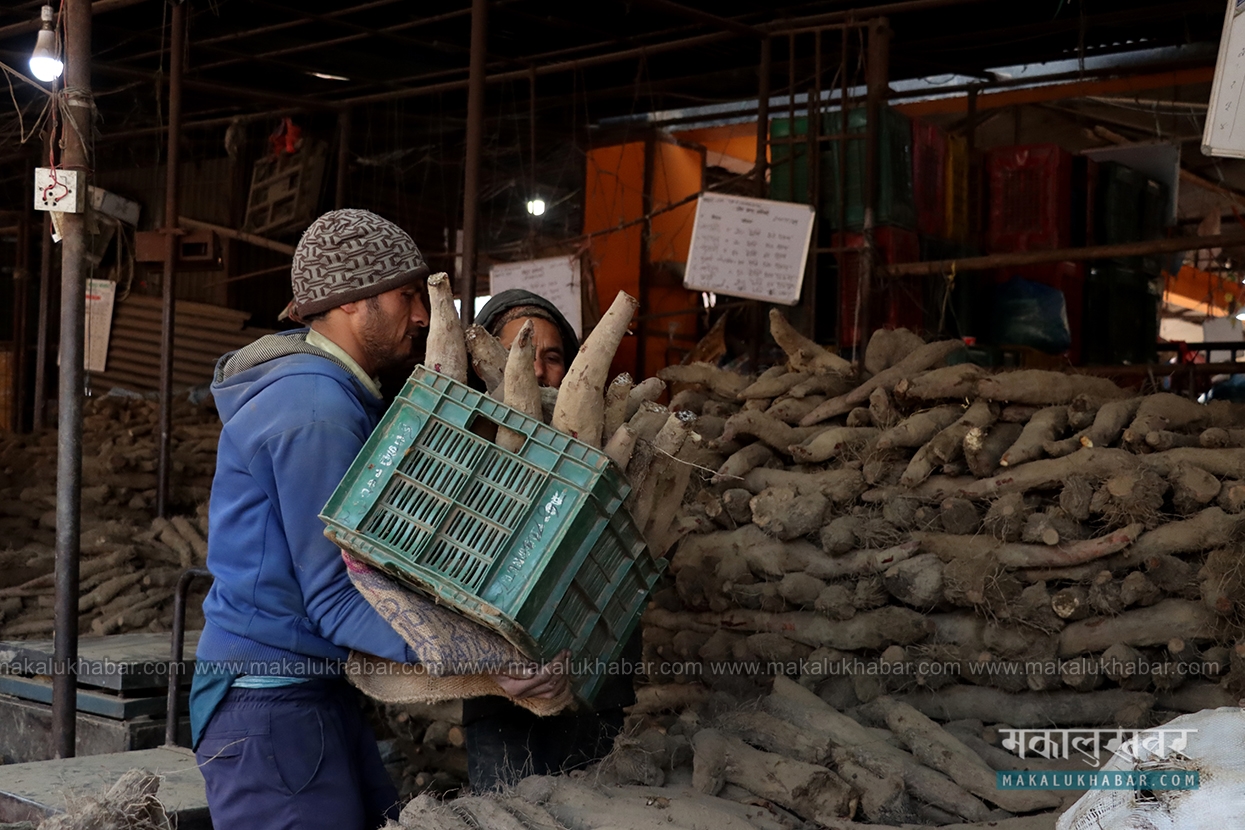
<point x="536" y="207"/>
<point x="45" y="62"/>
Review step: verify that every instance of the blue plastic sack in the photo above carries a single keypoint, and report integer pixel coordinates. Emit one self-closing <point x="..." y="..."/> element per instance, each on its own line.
<point x="1030" y="314"/>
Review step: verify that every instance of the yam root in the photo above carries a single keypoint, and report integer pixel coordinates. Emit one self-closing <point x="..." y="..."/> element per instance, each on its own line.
<point x="831" y="443"/>
<point x="808" y="790"/>
<point x="580" y="411"/>
<point x="957" y="382"/>
<point x="1164" y="411"/>
<point x="522" y="388"/>
<point x="1045" y="426"/>
<point x="645" y="392"/>
<point x="1150" y="626"/>
<point x="919" y="428"/>
<point x="940" y="750"/>
<point x="616" y="398"/>
<point x="948" y="444"/>
<point x="984" y="447"/>
<point x="889" y="346"/>
<point x="923" y="358"/>
<point x="743" y="461"/>
<point x="488" y="358"/>
<point x="720" y="382"/>
<point x="1036" y="386"/>
<point x="446" y="350"/>
<point x="803" y="355"/>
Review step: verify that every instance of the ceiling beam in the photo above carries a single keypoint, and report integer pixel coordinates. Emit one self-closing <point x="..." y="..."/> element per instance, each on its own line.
<point x="723" y="23"/>
<point x="1056" y="92"/>
<point x="34" y="24"/>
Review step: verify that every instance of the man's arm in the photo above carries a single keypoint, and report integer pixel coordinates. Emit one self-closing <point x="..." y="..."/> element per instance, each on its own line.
<point x="308" y="462"/>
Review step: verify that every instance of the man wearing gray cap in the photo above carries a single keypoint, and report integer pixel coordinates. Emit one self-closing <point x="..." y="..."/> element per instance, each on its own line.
<point x="278" y="732"/>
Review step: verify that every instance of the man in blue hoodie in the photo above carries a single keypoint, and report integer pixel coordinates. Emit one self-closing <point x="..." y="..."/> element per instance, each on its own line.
<point x="278" y="732"/>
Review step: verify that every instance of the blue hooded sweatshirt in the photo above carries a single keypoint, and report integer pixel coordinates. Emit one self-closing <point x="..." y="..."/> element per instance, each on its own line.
<point x="294" y="418"/>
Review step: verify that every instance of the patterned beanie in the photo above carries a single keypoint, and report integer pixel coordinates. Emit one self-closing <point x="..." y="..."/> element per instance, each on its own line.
<point x="348" y="255"/>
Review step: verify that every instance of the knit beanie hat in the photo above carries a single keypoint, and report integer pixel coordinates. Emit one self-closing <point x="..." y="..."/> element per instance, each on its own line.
<point x="349" y="255"/>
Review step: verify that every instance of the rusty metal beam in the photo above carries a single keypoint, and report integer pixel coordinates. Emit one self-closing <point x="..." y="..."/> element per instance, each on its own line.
<point x="1124" y="249"/>
<point x="33" y="25"/>
<point x="723" y="23"/>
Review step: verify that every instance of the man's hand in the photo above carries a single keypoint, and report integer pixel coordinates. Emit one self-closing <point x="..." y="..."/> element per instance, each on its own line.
<point x="546" y="682"/>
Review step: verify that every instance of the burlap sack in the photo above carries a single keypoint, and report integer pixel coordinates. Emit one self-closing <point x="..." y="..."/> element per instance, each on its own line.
<point x="456" y="655"/>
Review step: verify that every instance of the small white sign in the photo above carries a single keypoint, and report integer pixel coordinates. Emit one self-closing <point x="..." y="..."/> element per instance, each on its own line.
<point x="557" y="279"/>
<point x="1225" y="125"/>
<point x="753" y="248"/>
<point x="100" y="296"/>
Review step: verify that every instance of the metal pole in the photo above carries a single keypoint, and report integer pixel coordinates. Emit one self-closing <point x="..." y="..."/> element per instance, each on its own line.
<point x="877" y="73"/>
<point x="475" y="141"/>
<point x="78" y="115"/>
<point x="343" y="157"/>
<point x="178" y="648"/>
<point x="177" y="44"/>
<point x="646" y="255"/>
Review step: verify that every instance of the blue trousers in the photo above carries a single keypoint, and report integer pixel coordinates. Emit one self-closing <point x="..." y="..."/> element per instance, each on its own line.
<point x="294" y="757"/>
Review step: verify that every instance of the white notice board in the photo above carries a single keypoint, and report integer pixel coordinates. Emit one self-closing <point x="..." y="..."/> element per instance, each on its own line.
<point x="753" y="248"/>
<point x="556" y="279"/>
<point x="1225" y="125"/>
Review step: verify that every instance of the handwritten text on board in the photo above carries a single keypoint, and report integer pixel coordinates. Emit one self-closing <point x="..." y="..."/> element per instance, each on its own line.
<point x="754" y="248"/>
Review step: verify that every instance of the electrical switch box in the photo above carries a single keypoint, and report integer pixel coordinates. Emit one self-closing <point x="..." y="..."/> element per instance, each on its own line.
<point x="59" y="190"/>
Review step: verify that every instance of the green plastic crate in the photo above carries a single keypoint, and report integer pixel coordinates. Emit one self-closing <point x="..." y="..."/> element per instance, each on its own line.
<point x="535" y="545"/>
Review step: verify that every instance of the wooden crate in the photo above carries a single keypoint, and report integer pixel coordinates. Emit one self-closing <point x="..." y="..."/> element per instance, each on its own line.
<point x="285" y="190"/>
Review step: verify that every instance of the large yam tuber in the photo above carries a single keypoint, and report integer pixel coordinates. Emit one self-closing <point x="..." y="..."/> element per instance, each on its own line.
<point x="773" y="432"/>
<point x="808" y="790"/>
<point x="742" y="462"/>
<point x="580" y="411"/>
<point x="984" y="447"/>
<point x="488" y="358"/>
<point x="646" y="391"/>
<point x="948" y="444"/>
<point x="616" y="395"/>
<point x="940" y="750"/>
<point x="918" y="361"/>
<point x="803" y="355"/>
<point x="720" y="382"/>
<point x="1048" y="473"/>
<point x="1165" y="411"/>
<point x="1211" y="528"/>
<point x="919" y="428"/>
<point x="1141" y="627"/>
<point x="889" y="346"/>
<point x="522" y="388"/>
<point x="446" y="350"/>
<point x="838" y="485"/>
<point x="783" y="513"/>
<point x="1028" y="710"/>
<point x="948" y="383"/>
<point x="1037" y="386"/>
<point x="1046" y="425"/>
<point x="831" y="443"/>
<point x="772" y="383"/>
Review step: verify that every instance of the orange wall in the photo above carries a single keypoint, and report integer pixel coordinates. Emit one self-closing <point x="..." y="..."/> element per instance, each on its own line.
<point x="613" y="194"/>
<point x="738" y="141"/>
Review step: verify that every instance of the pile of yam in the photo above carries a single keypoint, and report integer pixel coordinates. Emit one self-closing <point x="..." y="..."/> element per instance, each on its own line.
<point x="939" y="553"/>
<point x="130" y="563"/>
